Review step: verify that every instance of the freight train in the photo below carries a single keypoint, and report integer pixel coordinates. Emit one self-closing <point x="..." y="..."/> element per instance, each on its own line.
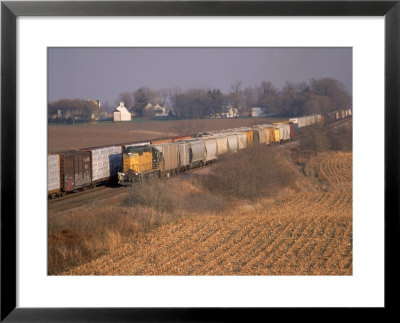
<point x="129" y="163"/>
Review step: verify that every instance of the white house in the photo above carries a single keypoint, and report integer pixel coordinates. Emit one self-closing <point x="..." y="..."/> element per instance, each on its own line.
<point x="257" y="112"/>
<point x="160" y="111"/>
<point x="121" y="113"/>
<point x="230" y="112"/>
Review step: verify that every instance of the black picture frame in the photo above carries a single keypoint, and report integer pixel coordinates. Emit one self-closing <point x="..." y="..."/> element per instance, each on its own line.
<point x="10" y="10"/>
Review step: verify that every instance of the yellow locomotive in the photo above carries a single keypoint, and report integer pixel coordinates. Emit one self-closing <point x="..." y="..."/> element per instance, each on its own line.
<point x="139" y="162"/>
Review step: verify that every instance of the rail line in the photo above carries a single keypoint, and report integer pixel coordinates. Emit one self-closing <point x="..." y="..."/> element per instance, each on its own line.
<point x="80" y="198"/>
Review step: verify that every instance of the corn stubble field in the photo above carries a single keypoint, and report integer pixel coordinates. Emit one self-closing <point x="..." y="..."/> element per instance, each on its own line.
<point x="302" y="228"/>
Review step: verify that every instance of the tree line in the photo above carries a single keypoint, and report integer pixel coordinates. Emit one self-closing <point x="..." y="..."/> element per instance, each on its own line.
<point x="294" y="99"/>
<point x="74" y="110"/>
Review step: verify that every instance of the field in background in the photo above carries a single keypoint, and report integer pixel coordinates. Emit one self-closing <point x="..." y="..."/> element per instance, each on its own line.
<point x="69" y="137"/>
<point x="182" y="227"/>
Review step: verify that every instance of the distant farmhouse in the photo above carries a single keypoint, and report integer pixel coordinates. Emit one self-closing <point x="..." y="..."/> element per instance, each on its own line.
<point x="258" y="112"/>
<point x="155" y="110"/>
<point x="230" y="112"/>
<point x="227" y="112"/>
<point x="121" y="113"/>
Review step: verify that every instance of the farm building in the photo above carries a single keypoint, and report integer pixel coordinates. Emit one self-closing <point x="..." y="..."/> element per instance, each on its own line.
<point x="121" y="113"/>
<point x="160" y="111"/>
<point x="230" y="112"/>
<point x="155" y="110"/>
<point x="258" y="112"/>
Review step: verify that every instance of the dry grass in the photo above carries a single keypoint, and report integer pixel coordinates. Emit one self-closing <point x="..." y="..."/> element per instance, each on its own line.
<point x="341" y="138"/>
<point x="84" y="233"/>
<point x="252" y="173"/>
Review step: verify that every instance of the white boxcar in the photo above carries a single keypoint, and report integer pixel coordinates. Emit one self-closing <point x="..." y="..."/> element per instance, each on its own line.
<point x="302" y="121"/>
<point x="314" y="119"/>
<point x="284" y="131"/>
<point x="106" y="162"/>
<point x="53" y="173"/>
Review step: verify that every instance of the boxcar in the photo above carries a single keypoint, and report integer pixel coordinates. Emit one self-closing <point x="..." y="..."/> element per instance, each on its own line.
<point x="292" y="131"/>
<point x="284" y="131"/>
<point x="106" y="163"/>
<point x="53" y="176"/>
<point x="75" y="170"/>
<point x="296" y="127"/>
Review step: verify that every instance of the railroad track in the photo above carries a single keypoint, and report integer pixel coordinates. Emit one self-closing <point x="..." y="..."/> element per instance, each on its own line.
<point x="83" y="198"/>
<point x="70" y="195"/>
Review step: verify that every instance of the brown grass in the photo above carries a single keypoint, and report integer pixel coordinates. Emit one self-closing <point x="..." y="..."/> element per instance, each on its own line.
<point x="84" y="233"/>
<point x="251" y="173"/>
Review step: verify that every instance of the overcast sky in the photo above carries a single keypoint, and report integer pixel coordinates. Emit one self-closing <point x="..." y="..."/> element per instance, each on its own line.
<point x="103" y="73"/>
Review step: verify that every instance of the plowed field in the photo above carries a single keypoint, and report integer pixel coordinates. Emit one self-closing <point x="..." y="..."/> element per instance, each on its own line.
<point x="308" y="233"/>
<point x="69" y="137"/>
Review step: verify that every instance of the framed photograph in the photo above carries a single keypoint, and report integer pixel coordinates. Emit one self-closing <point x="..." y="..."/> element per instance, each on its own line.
<point x="202" y="71"/>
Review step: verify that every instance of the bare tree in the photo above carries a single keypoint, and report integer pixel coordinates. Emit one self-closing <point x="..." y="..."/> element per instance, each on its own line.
<point x="142" y="97"/>
<point x="235" y="87"/>
<point x="244" y="174"/>
<point x="107" y="107"/>
<point x="235" y="96"/>
<point x="267" y="97"/>
<point x="249" y="99"/>
<point x="163" y="95"/>
<point x="127" y="99"/>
